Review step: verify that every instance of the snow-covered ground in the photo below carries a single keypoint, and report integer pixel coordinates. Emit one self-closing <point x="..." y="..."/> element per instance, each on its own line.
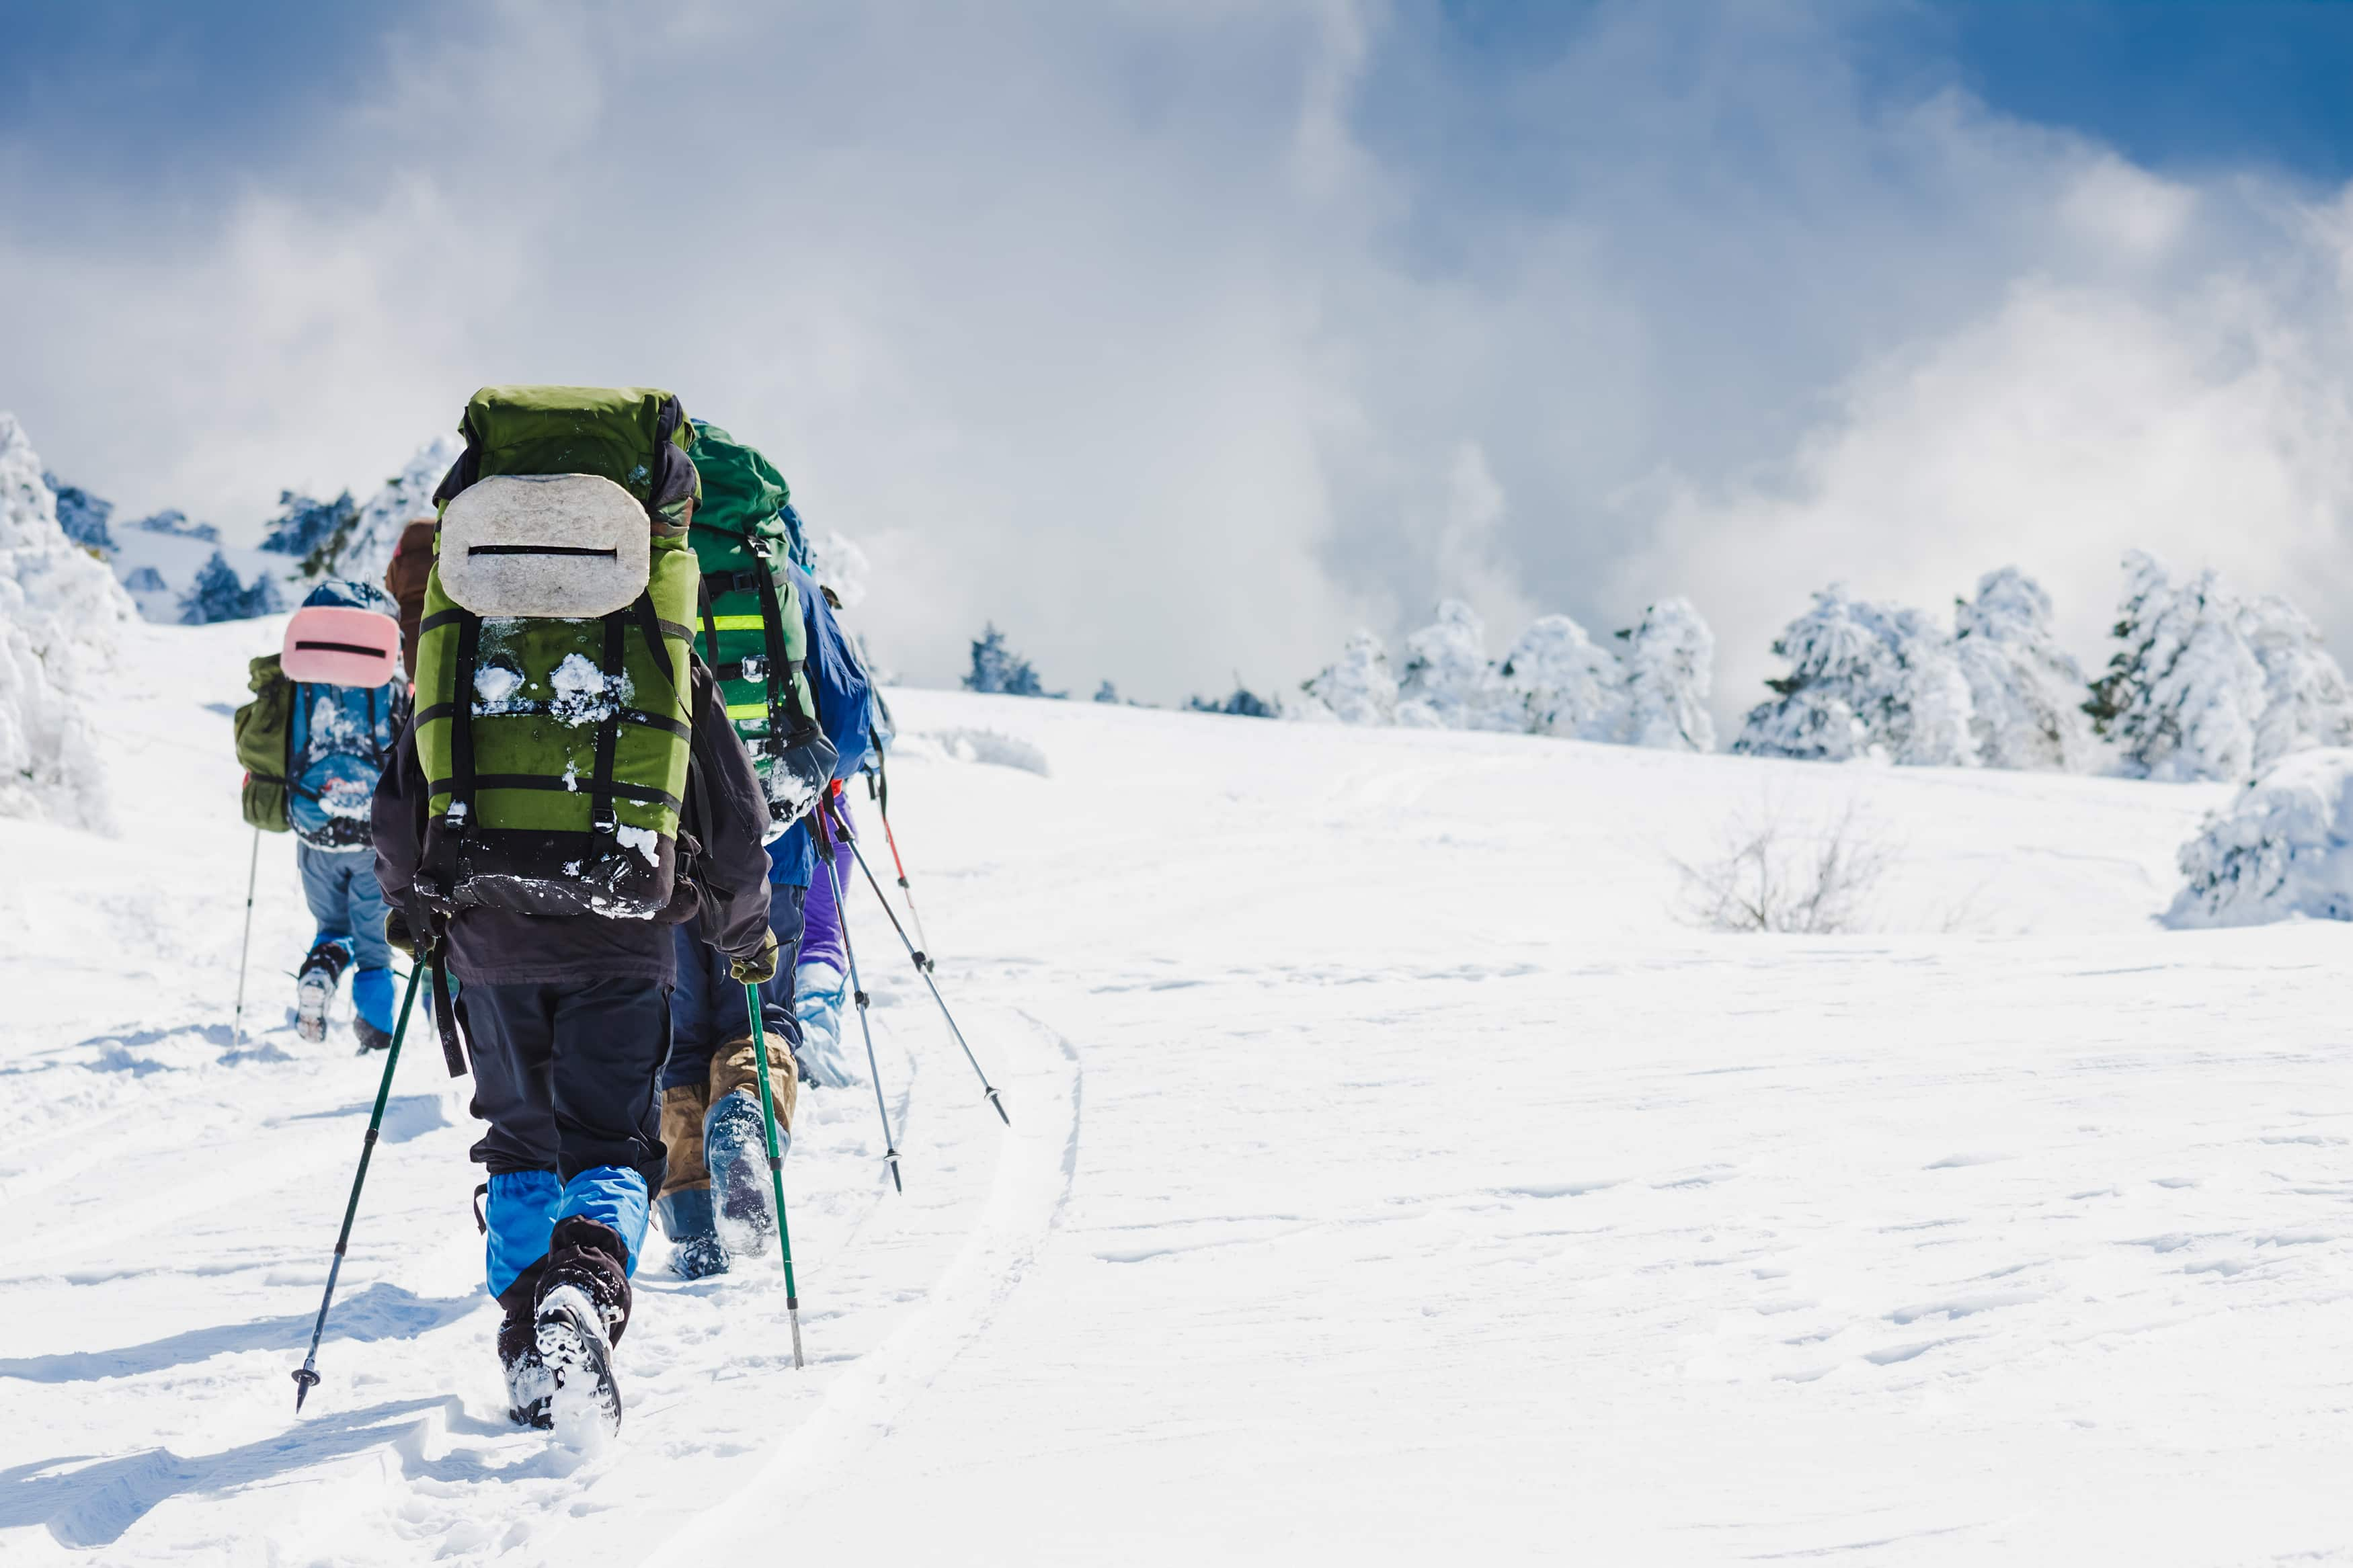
<point x="1394" y="1178"/>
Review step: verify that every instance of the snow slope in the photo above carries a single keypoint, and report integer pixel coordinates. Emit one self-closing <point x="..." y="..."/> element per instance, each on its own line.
<point x="1394" y="1179"/>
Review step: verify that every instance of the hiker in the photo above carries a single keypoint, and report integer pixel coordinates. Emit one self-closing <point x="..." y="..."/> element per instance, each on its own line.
<point x="714" y="1196"/>
<point x="538" y="838"/>
<point x="326" y="711"/>
<point x="404" y="579"/>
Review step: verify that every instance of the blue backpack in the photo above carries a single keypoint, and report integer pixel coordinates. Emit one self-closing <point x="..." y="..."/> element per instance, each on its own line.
<point x="339" y="739"/>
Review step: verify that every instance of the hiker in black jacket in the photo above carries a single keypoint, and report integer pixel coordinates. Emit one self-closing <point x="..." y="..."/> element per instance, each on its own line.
<point x="568" y="1020"/>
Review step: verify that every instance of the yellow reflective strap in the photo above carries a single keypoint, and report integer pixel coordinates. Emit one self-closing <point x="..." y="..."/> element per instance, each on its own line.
<point x="737" y="623"/>
<point x="747" y="711"/>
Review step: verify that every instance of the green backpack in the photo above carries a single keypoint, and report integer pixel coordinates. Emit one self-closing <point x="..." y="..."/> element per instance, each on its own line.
<point x="262" y="726"/>
<point x="751" y="628"/>
<point x="559" y="604"/>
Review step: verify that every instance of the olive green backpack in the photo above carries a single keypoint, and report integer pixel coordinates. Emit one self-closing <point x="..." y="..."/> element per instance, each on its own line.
<point x="750" y="627"/>
<point x="261" y="728"/>
<point x="559" y="605"/>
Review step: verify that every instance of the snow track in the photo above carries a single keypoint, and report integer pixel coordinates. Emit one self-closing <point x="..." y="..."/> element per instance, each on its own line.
<point x="1392" y="1180"/>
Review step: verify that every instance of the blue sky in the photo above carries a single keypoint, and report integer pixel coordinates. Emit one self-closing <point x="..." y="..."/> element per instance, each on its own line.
<point x="1180" y="341"/>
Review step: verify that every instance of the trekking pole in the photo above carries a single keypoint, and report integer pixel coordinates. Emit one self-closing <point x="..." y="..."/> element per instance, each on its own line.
<point x="245" y="943"/>
<point x="307" y="1378"/>
<point x="922" y="968"/>
<point x="776" y="1167"/>
<point x="882" y="804"/>
<point x="857" y="989"/>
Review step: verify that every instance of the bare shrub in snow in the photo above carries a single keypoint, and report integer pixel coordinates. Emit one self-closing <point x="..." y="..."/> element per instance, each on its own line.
<point x="2283" y="847"/>
<point x="60" y="615"/>
<point x="2183" y="696"/>
<point x="1669" y="663"/>
<point x="1865" y="679"/>
<point x="1773" y="876"/>
<point x="2026" y="693"/>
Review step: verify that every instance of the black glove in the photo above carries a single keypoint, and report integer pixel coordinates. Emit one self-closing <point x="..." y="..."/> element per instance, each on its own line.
<point x="395" y="932"/>
<point x="761" y="967"/>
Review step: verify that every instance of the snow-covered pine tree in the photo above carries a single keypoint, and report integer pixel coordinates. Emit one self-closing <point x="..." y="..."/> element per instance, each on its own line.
<point x="174" y="522"/>
<point x="1448" y="682"/>
<point x="2184" y="694"/>
<point x="362" y="551"/>
<point x="998" y="669"/>
<point x="1669" y="663"/>
<point x="1865" y="679"/>
<point x="60" y="615"/>
<point x="2305" y="702"/>
<point x="1107" y="692"/>
<point x="1359" y="689"/>
<point x="82" y="515"/>
<point x="2025" y="690"/>
<point x="1564" y="685"/>
<point x="1243" y="704"/>
<point x="216" y="594"/>
<point x="309" y="529"/>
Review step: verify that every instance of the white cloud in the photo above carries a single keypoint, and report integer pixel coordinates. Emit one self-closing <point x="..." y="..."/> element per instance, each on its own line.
<point x="1179" y="340"/>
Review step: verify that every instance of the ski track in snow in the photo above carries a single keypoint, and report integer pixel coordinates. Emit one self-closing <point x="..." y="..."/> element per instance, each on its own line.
<point x="1392" y="1179"/>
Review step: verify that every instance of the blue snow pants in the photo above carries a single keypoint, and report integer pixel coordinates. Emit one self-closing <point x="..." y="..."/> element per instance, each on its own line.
<point x="566" y="1075"/>
<point x="707" y="1009"/>
<point x="340" y="889"/>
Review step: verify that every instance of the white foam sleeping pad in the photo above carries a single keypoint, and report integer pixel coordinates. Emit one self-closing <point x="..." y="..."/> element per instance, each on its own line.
<point x="544" y="547"/>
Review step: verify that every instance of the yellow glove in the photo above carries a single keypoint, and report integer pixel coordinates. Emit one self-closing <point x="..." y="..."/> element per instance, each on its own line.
<point x="761" y="967"/>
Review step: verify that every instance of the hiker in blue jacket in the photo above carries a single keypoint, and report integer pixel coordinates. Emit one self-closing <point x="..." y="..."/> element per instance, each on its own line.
<point x="338" y="740"/>
<point x="710" y="1116"/>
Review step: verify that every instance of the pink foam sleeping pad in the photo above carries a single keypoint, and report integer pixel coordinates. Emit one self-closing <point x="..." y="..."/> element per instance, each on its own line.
<point x="337" y="645"/>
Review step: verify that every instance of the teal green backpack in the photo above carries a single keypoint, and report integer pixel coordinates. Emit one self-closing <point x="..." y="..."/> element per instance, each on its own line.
<point x="751" y="627"/>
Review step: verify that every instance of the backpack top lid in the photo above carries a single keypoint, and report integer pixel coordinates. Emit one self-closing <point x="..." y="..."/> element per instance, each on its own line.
<point x="635" y="436"/>
<point x="345" y="635"/>
<point x="743" y="493"/>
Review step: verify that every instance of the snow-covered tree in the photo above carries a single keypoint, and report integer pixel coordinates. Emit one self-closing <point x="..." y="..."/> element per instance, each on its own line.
<point x="82" y="515"/>
<point x="1864" y="680"/>
<point x="1358" y="690"/>
<point x="835" y="559"/>
<point x="1448" y="682"/>
<point x="2025" y="690"/>
<point x="1244" y="703"/>
<point x="1107" y="692"/>
<point x="1668" y="666"/>
<point x="998" y="669"/>
<point x="306" y="529"/>
<point x="2305" y="702"/>
<point x="174" y="522"/>
<point x="217" y="596"/>
<point x="2183" y="696"/>
<point x="362" y="549"/>
<point x="2281" y="847"/>
<point x="60" y="615"/>
<point x="1564" y="685"/>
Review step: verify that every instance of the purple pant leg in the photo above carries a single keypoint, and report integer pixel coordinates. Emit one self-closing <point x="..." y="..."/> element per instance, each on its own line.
<point x="821" y="924"/>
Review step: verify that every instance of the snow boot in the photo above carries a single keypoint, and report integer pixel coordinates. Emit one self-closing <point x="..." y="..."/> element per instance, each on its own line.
<point x="583" y="1308"/>
<point x="818" y="992"/>
<point x="683" y="1205"/>
<point x="736" y="1139"/>
<point x="530" y="1390"/>
<point x="314" y="987"/>
<point x="370" y="1038"/>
